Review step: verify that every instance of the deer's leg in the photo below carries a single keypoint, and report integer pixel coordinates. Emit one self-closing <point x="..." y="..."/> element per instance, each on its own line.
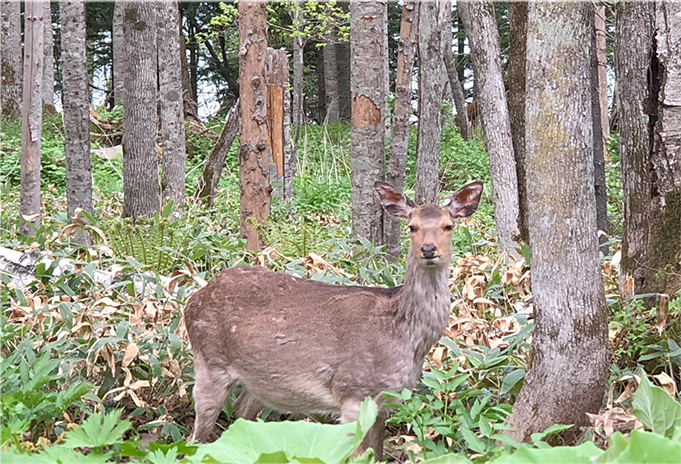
<point x="211" y="388"/>
<point x="373" y="438"/>
<point x="247" y="406"/>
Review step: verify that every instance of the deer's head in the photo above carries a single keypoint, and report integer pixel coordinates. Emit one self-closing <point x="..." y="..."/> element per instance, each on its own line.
<point x="431" y="225"/>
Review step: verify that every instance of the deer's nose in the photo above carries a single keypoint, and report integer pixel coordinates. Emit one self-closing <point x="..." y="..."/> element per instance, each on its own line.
<point x="428" y="250"/>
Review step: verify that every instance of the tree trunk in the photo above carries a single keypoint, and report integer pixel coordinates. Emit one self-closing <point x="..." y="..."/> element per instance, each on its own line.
<point x="342" y="60"/>
<point x="406" y="53"/>
<point x="10" y="59"/>
<point x="298" y="68"/>
<point x="517" y="59"/>
<point x="602" y="221"/>
<point x="601" y="48"/>
<point x="32" y="116"/>
<point x="188" y="97"/>
<point x="648" y="106"/>
<point x="569" y="369"/>
<point x="431" y="87"/>
<point x="458" y="97"/>
<point x="212" y="168"/>
<point x="481" y="26"/>
<point x="254" y="151"/>
<point x="119" y="53"/>
<point x="331" y="89"/>
<point x="76" y="105"/>
<point x="172" y="105"/>
<point x="277" y="88"/>
<point x="321" y="87"/>
<point x="368" y="59"/>
<point x="140" y="159"/>
<point x="48" y="63"/>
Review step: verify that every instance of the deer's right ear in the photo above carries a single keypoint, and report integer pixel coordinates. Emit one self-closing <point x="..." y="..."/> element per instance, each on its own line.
<point x="393" y="201"/>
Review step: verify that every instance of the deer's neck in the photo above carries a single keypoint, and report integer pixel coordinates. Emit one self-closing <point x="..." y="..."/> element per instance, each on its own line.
<point x="423" y="306"/>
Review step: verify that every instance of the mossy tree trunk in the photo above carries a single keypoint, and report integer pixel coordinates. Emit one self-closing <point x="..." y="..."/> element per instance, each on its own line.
<point x="75" y="101"/>
<point x="11" y="71"/>
<point x="406" y="54"/>
<point x="140" y="158"/>
<point x="369" y="59"/>
<point x="254" y="150"/>
<point x="569" y="369"/>
<point x="647" y="68"/>
<point x="32" y="116"/>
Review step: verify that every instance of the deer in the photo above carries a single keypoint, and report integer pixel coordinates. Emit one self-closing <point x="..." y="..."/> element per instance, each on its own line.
<point x="303" y="346"/>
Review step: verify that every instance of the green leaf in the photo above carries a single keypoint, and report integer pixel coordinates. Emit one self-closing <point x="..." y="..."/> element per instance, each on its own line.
<point x="450" y="458"/>
<point x="473" y="441"/>
<point x="642" y="448"/>
<point x="98" y="430"/>
<point x="248" y="442"/>
<point x="582" y="454"/>
<point x="656" y="409"/>
<point x="511" y="380"/>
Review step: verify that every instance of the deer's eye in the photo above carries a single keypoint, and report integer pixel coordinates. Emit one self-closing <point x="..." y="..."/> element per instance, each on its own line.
<point x="413" y="229"/>
<point x="448" y="228"/>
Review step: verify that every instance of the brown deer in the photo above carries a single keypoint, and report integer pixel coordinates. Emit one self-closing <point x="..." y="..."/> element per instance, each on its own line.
<point x="303" y="346"/>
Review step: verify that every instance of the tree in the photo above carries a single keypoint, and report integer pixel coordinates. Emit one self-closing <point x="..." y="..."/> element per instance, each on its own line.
<point x="75" y="101"/>
<point x="647" y="82"/>
<point x="32" y="117"/>
<point x="119" y="53"/>
<point x="171" y="103"/>
<point x="401" y="113"/>
<point x="10" y="59"/>
<point x="368" y="82"/>
<point x="431" y="88"/>
<point x="569" y="369"/>
<point x="331" y="85"/>
<point x="48" y="62"/>
<point x="481" y="26"/>
<point x="140" y="159"/>
<point x="517" y="59"/>
<point x="254" y="151"/>
<point x="461" y="119"/>
<point x="601" y="48"/>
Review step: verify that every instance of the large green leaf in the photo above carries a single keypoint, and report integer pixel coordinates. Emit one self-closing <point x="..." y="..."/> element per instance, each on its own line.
<point x="657" y="410"/>
<point x="98" y="430"/>
<point x="449" y="458"/>
<point x="248" y="442"/>
<point x="582" y="454"/>
<point x="642" y="448"/>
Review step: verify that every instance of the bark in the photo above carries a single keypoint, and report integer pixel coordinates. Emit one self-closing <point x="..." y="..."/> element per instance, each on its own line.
<point x="212" y="168"/>
<point x="48" y="63"/>
<point x="277" y="88"/>
<point x="290" y="149"/>
<point x="458" y="97"/>
<point x="648" y="86"/>
<point x="254" y="151"/>
<point x="321" y="87"/>
<point x="600" y="186"/>
<point x="298" y="68"/>
<point x="32" y="116"/>
<point x="480" y="23"/>
<point x="406" y="53"/>
<point x="368" y="61"/>
<point x="517" y="58"/>
<point x="188" y="97"/>
<point x="331" y="89"/>
<point x="601" y="47"/>
<point x="171" y="102"/>
<point x="343" y="63"/>
<point x="140" y="159"/>
<point x="119" y="53"/>
<point x="431" y="87"/>
<point x="10" y="59"/>
<point x="75" y="102"/>
<point x="569" y="369"/>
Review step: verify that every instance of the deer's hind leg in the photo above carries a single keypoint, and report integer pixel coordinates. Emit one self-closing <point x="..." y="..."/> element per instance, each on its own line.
<point x="211" y="388"/>
<point x="247" y="406"/>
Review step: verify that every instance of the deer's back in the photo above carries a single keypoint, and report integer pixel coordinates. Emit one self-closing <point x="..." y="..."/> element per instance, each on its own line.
<point x="275" y="330"/>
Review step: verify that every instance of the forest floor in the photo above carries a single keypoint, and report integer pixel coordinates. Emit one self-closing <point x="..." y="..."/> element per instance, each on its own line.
<point x="76" y="342"/>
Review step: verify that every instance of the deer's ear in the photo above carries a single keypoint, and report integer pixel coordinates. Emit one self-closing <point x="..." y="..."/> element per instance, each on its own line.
<point x="393" y="201"/>
<point x="465" y="201"/>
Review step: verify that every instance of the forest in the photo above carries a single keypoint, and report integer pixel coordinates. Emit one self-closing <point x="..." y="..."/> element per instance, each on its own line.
<point x="318" y="231"/>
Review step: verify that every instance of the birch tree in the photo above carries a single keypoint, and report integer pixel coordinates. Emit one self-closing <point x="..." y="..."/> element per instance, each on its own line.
<point x="11" y="71"/>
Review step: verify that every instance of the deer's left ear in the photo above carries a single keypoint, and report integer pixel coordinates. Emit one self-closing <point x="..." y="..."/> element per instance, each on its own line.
<point x="393" y="201"/>
<point x="465" y="201"/>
